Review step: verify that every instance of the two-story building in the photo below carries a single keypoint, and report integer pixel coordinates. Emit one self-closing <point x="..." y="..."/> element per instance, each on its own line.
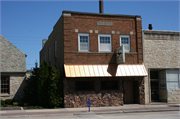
<point x="83" y="46"/>
<point x="12" y="69"/>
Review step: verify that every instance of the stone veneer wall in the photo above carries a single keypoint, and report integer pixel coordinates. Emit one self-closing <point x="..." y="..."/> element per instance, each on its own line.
<point x="73" y="98"/>
<point x="17" y="82"/>
<point x="161" y="49"/>
<point x="174" y="95"/>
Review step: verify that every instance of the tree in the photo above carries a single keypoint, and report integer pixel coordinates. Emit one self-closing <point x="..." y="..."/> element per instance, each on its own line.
<point x="42" y="84"/>
<point x="30" y="90"/>
<point x="55" y="88"/>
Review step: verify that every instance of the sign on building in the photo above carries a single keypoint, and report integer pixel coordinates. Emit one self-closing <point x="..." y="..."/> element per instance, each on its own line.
<point x="120" y="55"/>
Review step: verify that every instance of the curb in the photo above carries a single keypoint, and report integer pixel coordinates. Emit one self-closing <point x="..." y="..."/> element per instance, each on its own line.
<point x="90" y="113"/>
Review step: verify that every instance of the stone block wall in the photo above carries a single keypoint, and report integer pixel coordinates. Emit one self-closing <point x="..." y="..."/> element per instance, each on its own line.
<point x="174" y="95"/>
<point x="161" y="50"/>
<point x="16" y="85"/>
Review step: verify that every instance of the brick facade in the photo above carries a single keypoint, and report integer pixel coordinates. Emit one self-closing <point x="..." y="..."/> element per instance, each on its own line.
<point x="65" y="33"/>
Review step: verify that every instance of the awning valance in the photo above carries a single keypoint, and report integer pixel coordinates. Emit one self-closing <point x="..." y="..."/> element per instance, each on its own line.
<point x="104" y="70"/>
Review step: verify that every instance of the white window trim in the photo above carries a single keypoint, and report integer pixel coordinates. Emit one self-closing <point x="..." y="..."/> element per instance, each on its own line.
<point x="127" y="36"/>
<point x="83" y="34"/>
<point x="106" y="35"/>
<point x="55" y="49"/>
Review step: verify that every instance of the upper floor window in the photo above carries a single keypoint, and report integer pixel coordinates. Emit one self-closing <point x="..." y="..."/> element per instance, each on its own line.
<point x="49" y="54"/>
<point x="125" y="40"/>
<point x="104" y="41"/>
<point x="55" y="49"/>
<point x="83" y="41"/>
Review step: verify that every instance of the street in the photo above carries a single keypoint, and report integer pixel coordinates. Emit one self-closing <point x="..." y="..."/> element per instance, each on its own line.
<point x="147" y="115"/>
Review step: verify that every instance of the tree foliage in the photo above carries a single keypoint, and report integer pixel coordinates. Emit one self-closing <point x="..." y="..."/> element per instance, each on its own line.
<point x="30" y="90"/>
<point x="42" y="84"/>
<point x="55" y="88"/>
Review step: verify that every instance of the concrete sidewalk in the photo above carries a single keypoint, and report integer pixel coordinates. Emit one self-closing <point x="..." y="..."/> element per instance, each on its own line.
<point x="127" y="108"/>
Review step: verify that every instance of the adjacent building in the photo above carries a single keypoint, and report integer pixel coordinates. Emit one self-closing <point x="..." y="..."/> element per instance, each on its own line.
<point x="161" y="51"/>
<point x="12" y="69"/>
<point x="85" y="48"/>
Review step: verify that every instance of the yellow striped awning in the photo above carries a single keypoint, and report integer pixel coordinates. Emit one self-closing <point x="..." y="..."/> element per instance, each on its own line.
<point x="101" y="70"/>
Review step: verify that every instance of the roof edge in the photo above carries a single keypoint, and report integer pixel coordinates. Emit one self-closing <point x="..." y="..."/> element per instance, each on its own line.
<point x="101" y="14"/>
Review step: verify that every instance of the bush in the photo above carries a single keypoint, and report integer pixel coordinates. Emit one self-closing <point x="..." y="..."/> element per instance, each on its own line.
<point x="5" y="105"/>
<point x="15" y="103"/>
<point x="8" y="101"/>
<point x="30" y="89"/>
<point x="26" y="104"/>
<point x="2" y="102"/>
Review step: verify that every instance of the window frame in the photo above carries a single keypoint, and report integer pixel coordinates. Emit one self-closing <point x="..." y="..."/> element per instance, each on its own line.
<point x="83" y="34"/>
<point x="8" y="92"/>
<point x="169" y="81"/>
<point x="55" y="49"/>
<point x="126" y="36"/>
<point x="49" y="54"/>
<point x="109" y="35"/>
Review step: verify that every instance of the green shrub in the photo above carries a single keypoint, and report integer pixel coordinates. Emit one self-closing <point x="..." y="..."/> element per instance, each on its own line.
<point x="5" y="105"/>
<point x="8" y="101"/>
<point x="2" y="102"/>
<point x="26" y="104"/>
<point x="15" y="103"/>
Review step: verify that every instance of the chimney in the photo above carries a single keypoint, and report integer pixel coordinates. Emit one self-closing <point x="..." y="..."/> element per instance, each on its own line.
<point x="43" y="42"/>
<point x="150" y="27"/>
<point x="100" y="6"/>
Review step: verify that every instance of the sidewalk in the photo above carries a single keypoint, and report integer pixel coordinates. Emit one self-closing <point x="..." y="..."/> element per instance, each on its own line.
<point x="127" y="108"/>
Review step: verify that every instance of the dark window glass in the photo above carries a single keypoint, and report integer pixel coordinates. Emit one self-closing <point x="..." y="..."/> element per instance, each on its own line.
<point x="84" y="85"/>
<point x="4" y="84"/>
<point x="154" y="75"/>
<point x="109" y="85"/>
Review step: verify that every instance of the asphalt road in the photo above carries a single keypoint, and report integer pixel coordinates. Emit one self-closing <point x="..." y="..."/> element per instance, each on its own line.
<point x="147" y="115"/>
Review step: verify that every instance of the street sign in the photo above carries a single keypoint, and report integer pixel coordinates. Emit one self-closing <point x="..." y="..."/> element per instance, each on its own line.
<point x="89" y="103"/>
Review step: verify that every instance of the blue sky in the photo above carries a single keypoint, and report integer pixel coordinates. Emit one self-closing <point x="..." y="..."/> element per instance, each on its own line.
<point x="26" y="23"/>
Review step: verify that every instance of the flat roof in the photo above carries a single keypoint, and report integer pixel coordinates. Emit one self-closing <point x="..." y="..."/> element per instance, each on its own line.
<point x="160" y="32"/>
<point x="101" y="14"/>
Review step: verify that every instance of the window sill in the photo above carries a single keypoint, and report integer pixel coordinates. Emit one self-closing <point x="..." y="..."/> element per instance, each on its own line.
<point x="92" y="52"/>
<point x="102" y="52"/>
<point x="5" y="95"/>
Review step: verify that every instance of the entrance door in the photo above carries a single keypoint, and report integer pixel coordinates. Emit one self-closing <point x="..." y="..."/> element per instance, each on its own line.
<point x="154" y="76"/>
<point x="128" y="92"/>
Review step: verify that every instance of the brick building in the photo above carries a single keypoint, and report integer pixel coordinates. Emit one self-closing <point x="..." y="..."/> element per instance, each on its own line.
<point x="12" y="69"/>
<point x="84" y="47"/>
<point x="162" y="61"/>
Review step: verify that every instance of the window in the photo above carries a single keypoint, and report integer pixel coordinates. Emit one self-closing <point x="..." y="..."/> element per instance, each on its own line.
<point x="125" y="40"/>
<point x="5" y="84"/>
<point x="104" y="41"/>
<point x="45" y="57"/>
<point x="109" y="85"/>
<point x="84" y="85"/>
<point x="55" y="49"/>
<point x="172" y="78"/>
<point x="49" y="54"/>
<point x="83" y="40"/>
